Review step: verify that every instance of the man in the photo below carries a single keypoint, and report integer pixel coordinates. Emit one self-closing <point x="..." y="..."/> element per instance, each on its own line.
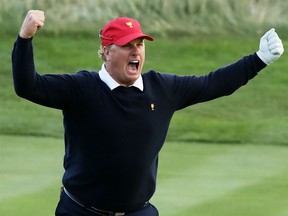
<point x="116" y="120"/>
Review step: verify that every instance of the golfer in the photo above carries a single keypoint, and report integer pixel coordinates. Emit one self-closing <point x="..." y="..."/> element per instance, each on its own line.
<point x="116" y="120"/>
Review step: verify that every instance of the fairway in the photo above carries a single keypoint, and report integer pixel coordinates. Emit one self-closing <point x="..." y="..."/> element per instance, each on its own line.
<point x="30" y="179"/>
<point x="194" y="178"/>
<point x="226" y="157"/>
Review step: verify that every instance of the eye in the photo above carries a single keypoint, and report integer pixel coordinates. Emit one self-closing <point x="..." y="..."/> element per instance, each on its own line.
<point x="141" y="43"/>
<point x="126" y="46"/>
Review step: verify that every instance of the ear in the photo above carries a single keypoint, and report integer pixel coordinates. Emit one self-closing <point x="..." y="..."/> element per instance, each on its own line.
<point x="107" y="53"/>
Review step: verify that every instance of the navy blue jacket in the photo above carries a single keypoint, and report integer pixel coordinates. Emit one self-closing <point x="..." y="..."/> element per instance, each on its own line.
<point x="112" y="138"/>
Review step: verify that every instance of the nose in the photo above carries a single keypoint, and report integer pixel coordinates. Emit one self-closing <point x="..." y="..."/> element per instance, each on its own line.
<point x="135" y="49"/>
<point x="135" y="52"/>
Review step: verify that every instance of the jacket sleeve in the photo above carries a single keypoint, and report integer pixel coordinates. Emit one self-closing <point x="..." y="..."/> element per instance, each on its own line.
<point x="47" y="90"/>
<point x="224" y="81"/>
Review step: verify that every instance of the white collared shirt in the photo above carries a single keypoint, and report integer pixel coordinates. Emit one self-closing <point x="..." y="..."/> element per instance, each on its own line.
<point x="112" y="84"/>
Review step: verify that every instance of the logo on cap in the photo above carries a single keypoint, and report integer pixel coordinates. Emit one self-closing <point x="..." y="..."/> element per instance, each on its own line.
<point x="129" y="24"/>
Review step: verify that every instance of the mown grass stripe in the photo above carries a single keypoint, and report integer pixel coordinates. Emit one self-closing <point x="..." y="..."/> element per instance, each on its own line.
<point x="267" y="198"/>
<point x="194" y="179"/>
<point x="28" y="164"/>
<point x="231" y="169"/>
<point x="41" y="202"/>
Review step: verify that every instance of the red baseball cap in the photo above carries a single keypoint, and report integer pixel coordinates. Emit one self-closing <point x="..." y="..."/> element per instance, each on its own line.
<point x="121" y="31"/>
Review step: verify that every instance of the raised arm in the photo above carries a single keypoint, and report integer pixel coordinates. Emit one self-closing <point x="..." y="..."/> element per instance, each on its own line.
<point x="48" y="90"/>
<point x="24" y="73"/>
<point x="227" y="79"/>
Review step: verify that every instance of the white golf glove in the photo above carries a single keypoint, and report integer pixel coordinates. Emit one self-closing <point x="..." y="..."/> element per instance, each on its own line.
<point x="271" y="47"/>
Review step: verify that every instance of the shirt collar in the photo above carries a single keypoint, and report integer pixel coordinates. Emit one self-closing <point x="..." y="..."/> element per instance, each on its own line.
<point x="112" y="84"/>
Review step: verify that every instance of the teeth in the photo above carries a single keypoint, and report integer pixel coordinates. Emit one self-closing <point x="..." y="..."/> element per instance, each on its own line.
<point x="134" y="62"/>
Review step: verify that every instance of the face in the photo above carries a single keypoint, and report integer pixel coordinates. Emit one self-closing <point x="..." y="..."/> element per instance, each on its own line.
<point x="125" y="63"/>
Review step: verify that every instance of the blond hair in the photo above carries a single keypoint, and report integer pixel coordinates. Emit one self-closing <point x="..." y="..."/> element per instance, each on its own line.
<point x="101" y="53"/>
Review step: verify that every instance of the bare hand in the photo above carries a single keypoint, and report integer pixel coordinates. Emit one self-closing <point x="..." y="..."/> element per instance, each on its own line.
<point x="33" y="21"/>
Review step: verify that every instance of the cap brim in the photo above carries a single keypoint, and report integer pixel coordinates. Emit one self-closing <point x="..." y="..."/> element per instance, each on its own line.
<point x="128" y="38"/>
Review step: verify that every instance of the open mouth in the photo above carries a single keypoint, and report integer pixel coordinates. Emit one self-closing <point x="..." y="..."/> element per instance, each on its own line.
<point x="133" y="65"/>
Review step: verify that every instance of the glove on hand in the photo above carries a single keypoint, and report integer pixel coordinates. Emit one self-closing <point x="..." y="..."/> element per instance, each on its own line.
<point x="270" y="48"/>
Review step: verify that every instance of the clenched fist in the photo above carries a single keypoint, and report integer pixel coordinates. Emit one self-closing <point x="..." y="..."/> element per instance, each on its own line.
<point x="271" y="47"/>
<point x="33" y="21"/>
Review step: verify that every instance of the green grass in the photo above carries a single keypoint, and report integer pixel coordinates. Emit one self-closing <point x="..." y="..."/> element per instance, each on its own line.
<point x="225" y="157"/>
<point x="222" y="158"/>
<point x="220" y="179"/>
<point x="31" y="170"/>
<point x="194" y="179"/>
